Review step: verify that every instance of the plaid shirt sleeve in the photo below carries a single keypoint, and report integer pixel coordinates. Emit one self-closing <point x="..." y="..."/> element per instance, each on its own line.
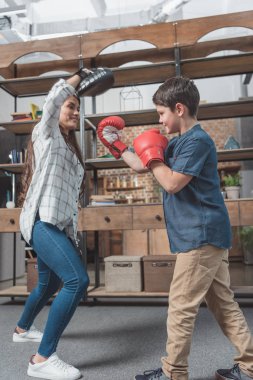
<point x="51" y="109"/>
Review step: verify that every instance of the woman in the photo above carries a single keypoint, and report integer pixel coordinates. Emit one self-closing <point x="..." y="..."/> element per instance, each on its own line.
<point x="52" y="183"/>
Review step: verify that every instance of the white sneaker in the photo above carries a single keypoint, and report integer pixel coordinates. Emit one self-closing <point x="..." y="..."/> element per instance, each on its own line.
<point x="53" y="368"/>
<point x="32" y="335"/>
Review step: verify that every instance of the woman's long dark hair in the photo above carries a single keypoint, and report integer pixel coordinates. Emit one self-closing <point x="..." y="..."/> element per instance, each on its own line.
<point x="26" y="177"/>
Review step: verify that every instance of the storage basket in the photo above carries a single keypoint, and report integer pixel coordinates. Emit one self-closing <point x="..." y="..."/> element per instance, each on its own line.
<point x="123" y="274"/>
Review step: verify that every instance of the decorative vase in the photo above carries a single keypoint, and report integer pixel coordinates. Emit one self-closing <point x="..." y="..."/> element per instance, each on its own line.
<point x="233" y="192"/>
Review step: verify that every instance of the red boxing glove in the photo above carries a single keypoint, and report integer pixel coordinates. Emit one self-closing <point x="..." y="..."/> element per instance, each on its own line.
<point x="109" y="132"/>
<point x="150" y="146"/>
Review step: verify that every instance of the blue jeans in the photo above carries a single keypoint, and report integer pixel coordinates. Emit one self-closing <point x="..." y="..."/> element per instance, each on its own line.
<point x="58" y="262"/>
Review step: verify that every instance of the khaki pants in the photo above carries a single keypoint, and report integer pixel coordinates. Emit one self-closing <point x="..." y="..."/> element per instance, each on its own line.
<point x="203" y="274"/>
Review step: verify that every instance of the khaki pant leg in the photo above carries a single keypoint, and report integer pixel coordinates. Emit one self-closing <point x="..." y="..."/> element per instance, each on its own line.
<point x="220" y="300"/>
<point x="193" y="275"/>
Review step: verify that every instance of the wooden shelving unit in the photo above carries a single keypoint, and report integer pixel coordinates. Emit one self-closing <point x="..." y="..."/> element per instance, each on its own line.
<point x="15" y="291"/>
<point x="126" y="188"/>
<point x="129" y="217"/>
<point x="19" y="127"/>
<point x="20" y="291"/>
<point x="223" y="155"/>
<point x="100" y="292"/>
<point x="241" y="108"/>
<point x="175" y="51"/>
<point x="30" y="86"/>
<point x="12" y="168"/>
<point x="235" y="154"/>
<point x="104" y="163"/>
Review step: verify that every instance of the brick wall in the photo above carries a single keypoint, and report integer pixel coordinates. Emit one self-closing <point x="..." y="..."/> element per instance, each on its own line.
<point x="219" y="130"/>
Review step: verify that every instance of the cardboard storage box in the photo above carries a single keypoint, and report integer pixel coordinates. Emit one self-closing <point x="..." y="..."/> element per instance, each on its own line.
<point x="158" y="272"/>
<point x="32" y="274"/>
<point x="123" y="274"/>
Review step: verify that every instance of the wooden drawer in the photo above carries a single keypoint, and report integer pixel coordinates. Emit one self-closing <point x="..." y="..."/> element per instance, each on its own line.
<point x="9" y="220"/>
<point x="158" y="242"/>
<point x="147" y="217"/>
<point x="233" y="210"/>
<point x="246" y="212"/>
<point x="135" y="242"/>
<point x="105" y="218"/>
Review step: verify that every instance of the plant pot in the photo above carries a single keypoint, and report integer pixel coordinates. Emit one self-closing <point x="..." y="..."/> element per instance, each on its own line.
<point x="233" y="192"/>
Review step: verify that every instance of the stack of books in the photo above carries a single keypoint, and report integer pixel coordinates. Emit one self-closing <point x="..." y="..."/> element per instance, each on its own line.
<point x="21" y="116"/>
<point x="102" y="200"/>
<point x="18" y="157"/>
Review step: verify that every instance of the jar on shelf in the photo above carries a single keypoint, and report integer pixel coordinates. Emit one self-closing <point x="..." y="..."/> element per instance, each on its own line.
<point x="124" y="181"/>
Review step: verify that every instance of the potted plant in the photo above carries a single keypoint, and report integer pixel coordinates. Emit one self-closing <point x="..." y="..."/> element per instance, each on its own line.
<point x="246" y="235"/>
<point x="232" y="185"/>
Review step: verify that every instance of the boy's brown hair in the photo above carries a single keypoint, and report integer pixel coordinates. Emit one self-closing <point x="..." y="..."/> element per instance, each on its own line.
<point x="178" y="90"/>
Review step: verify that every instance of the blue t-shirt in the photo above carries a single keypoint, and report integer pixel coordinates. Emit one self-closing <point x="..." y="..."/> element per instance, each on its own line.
<point x="196" y="215"/>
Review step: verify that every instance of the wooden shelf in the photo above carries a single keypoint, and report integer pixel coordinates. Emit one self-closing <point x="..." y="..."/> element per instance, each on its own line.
<point x="101" y="292"/>
<point x="240" y="291"/>
<point x="20" y="127"/>
<point x="104" y="163"/>
<point x="12" y="168"/>
<point x="141" y="75"/>
<point x="223" y="155"/>
<point x="21" y="291"/>
<point x="196" y="68"/>
<point x="235" y="154"/>
<point x="18" y="291"/>
<point x="127" y="188"/>
<point x="241" y="108"/>
<point x="30" y="86"/>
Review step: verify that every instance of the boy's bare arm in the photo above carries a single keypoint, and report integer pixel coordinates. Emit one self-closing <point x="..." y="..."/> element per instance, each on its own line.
<point x="134" y="162"/>
<point x="171" y="181"/>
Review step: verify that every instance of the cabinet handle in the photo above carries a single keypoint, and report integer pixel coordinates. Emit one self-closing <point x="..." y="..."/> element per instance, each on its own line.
<point x="107" y="219"/>
<point x="123" y="265"/>
<point x="12" y="221"/>
<point x="158" y="217"/>
<point x="160" y="265"/>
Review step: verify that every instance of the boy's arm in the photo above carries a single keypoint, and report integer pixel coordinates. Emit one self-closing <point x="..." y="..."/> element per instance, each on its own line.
<point x="171" y="181"/>
<point x="150" y="146"/>
<point x="134" y="162"/>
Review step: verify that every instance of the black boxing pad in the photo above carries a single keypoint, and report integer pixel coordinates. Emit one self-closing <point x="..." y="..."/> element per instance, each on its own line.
<point x="96" y="82"/>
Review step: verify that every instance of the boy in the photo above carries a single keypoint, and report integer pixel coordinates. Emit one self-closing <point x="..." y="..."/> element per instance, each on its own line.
<point x="197" y="223"/>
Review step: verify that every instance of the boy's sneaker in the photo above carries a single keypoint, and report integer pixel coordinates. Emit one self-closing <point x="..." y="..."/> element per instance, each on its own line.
<point x="156" y="374"/>
<point x="53" y="368"/>
<point x="32" y="335"/>
<point x="233" y="373"/>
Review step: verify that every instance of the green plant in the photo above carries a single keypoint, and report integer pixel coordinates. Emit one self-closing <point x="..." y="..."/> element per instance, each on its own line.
<point x="246" y="234"/>
<point x="232" y="179"/>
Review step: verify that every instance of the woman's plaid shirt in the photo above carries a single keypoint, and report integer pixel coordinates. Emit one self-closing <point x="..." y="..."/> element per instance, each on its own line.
<point x="57" y="176"/>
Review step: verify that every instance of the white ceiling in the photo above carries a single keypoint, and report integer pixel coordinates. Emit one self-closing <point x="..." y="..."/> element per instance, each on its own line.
<point x="33" y="19"/>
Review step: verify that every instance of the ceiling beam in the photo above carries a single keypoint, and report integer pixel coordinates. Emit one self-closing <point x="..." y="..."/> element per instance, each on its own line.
<point x="89" y="24"/>
<point x="99" y="6"/>
<point x="96" y="23"/>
